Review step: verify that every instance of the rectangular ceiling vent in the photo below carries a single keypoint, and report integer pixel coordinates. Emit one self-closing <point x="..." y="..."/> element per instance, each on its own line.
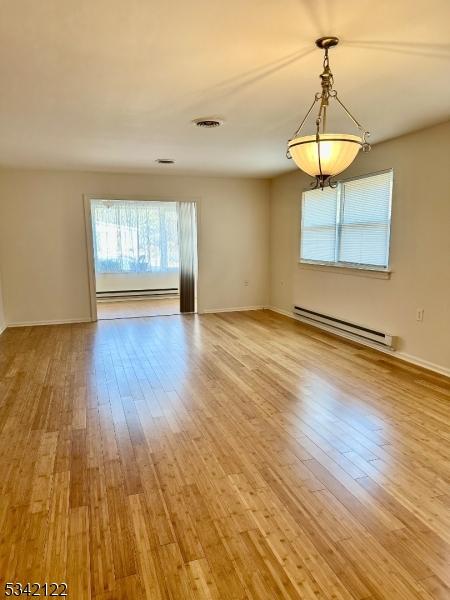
<point x="344" y="328"/>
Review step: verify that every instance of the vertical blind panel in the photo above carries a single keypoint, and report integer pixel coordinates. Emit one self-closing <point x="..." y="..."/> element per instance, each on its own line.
<point x="134" y="236"/>
<point x="364" y="235"/>
<point x="318" y="237"/>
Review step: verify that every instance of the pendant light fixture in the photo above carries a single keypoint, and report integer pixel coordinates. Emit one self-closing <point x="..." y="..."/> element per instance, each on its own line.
<point x="325" y="155"/>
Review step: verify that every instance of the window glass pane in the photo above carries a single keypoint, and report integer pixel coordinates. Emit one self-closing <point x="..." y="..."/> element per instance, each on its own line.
<point x="364" y="244"/>
<point x="131" y="236"/>
<point x="364" y="235"/>
<point x="318" y="243"/>
<point x="318" y="236"/>
<point x="349" y="224"/>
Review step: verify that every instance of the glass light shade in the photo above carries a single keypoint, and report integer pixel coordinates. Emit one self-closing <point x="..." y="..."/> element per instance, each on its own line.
<point x="337" y="152"/>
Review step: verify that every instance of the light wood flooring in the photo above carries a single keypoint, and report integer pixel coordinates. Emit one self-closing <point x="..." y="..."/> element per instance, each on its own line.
<point x="149" y="307"/>
<point x="239" y="455"/>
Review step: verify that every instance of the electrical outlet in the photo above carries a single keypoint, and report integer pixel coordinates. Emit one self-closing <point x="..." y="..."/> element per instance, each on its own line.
<point x="419" y="314"/>
<point x="246" y="283"/>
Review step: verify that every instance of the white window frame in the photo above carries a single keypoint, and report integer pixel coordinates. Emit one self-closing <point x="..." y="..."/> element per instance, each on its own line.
<point x="339" y="218"/>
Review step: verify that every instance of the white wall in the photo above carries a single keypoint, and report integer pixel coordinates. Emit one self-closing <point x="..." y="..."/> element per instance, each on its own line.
<point x="117" y="282"/>
<point x="420" y="250"/>
<point x="43" y="239"/>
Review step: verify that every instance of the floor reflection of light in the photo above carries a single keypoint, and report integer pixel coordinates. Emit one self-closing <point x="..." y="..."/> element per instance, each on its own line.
<point x="316" y="398"/>
<point x="159" y="352"/>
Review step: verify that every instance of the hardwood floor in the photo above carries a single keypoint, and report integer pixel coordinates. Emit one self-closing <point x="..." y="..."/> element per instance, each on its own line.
<point x="239" y="455"/>
<point x="150" y="307"/>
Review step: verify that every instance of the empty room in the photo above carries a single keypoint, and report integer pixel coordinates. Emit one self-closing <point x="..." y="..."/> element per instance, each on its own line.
<point x="225" y="300"/>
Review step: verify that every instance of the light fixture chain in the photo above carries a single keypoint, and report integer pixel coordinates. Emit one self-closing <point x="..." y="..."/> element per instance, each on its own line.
<point x="327" y="78"/>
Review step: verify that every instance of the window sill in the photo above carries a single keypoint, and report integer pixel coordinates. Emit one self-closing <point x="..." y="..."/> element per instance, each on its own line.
<point x="344" y="270"/>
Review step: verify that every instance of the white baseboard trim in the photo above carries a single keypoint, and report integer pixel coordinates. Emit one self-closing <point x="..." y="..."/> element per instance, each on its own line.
<point x="52" y="322"/>
<point x="2" y="329"/>
<point x="420" y="362"/>
<point x="409" y="358"/>
<point x="234" y="309"/>
<point x="281" y="311"/>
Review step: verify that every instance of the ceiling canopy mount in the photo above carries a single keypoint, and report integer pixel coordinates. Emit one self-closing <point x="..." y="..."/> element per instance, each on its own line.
<point x="327" y="42"/>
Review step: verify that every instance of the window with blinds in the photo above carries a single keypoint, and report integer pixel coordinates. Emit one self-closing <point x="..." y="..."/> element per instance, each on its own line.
<point x="350" y="224"/>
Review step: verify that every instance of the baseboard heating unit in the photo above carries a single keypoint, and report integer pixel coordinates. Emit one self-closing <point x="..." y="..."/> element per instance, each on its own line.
<point x="344" y="328"/>
<point x="141" y="293"/>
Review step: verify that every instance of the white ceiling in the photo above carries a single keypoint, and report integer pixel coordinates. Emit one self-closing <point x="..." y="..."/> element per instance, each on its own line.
<point x="114" y="84"/>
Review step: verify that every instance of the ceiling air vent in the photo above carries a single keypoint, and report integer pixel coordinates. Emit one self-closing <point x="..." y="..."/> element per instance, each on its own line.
<point x="208" y="123"/>
<point x="165" y="161"/>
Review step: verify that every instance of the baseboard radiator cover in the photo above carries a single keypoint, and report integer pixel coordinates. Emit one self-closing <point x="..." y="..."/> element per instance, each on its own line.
<point x="346" y="328"/>
<point x="140" y="293"/>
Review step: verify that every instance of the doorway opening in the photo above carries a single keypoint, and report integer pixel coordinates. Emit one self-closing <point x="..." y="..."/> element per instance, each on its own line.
<point x="143" y="258"/>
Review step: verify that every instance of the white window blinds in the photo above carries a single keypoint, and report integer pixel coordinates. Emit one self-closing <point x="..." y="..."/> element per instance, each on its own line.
<point x="318" y="239"/>
<point x="348" y="225"/>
